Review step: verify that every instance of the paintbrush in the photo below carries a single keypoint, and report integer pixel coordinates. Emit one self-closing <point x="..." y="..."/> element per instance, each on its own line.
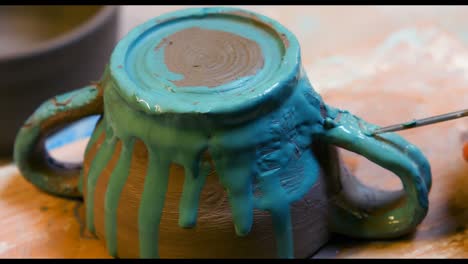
<point x="422" y="122"/>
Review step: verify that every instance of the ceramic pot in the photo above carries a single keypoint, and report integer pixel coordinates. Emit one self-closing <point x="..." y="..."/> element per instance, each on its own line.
<point x="213" y="143"/>
<point x="48" y="50"/>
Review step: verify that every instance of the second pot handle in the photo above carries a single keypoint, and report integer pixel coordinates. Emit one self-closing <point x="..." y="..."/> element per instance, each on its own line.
<point x="361" y="211"/>
<point x="30" y="155"/>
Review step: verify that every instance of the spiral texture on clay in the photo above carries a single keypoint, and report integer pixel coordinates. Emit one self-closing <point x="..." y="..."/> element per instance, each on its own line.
<point x="210" y="58"/>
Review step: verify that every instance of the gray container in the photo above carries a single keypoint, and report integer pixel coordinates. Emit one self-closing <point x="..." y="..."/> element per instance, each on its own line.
<point x="46" y="51"/>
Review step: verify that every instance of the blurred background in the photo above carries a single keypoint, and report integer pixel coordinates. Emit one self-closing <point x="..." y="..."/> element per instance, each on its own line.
<point x="343" y="47"/>
<point x="46" y="51"/>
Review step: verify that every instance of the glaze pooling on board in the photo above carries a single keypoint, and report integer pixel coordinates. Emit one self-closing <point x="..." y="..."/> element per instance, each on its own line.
<point x="268" y="144"/>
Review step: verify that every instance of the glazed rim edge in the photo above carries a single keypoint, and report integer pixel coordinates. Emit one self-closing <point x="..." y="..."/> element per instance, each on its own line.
<point x="275" y="88"/>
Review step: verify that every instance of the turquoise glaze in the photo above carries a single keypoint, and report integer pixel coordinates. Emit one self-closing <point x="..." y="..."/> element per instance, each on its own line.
<point x="258" y="130"/>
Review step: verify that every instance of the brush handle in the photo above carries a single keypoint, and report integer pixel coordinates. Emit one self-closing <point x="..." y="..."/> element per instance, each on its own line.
<point x="422" y="122"/>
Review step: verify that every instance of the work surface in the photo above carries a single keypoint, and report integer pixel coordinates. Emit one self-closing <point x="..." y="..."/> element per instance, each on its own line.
<point x="385" y="64"/>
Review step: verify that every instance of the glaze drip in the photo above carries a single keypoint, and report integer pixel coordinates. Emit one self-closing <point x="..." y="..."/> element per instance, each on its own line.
<point x="114" y="189"/>
<point x="152" y="203"/>
<point x="247" y="156"/>
<point x="102" y="158"/>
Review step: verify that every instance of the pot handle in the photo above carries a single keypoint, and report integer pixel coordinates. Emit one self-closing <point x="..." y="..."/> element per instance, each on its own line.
<point x="30" y="155"/>
<point x="358" y="210"/>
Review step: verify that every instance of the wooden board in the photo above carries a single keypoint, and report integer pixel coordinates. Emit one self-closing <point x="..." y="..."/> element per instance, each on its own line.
<point x="38" y="225"/>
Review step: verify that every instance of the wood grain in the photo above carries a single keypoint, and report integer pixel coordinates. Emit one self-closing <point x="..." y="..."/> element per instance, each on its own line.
<point x="38" y="225"/>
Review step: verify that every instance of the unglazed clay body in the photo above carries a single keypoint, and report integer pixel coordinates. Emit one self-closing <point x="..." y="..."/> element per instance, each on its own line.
<point x="209" y="121"/>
